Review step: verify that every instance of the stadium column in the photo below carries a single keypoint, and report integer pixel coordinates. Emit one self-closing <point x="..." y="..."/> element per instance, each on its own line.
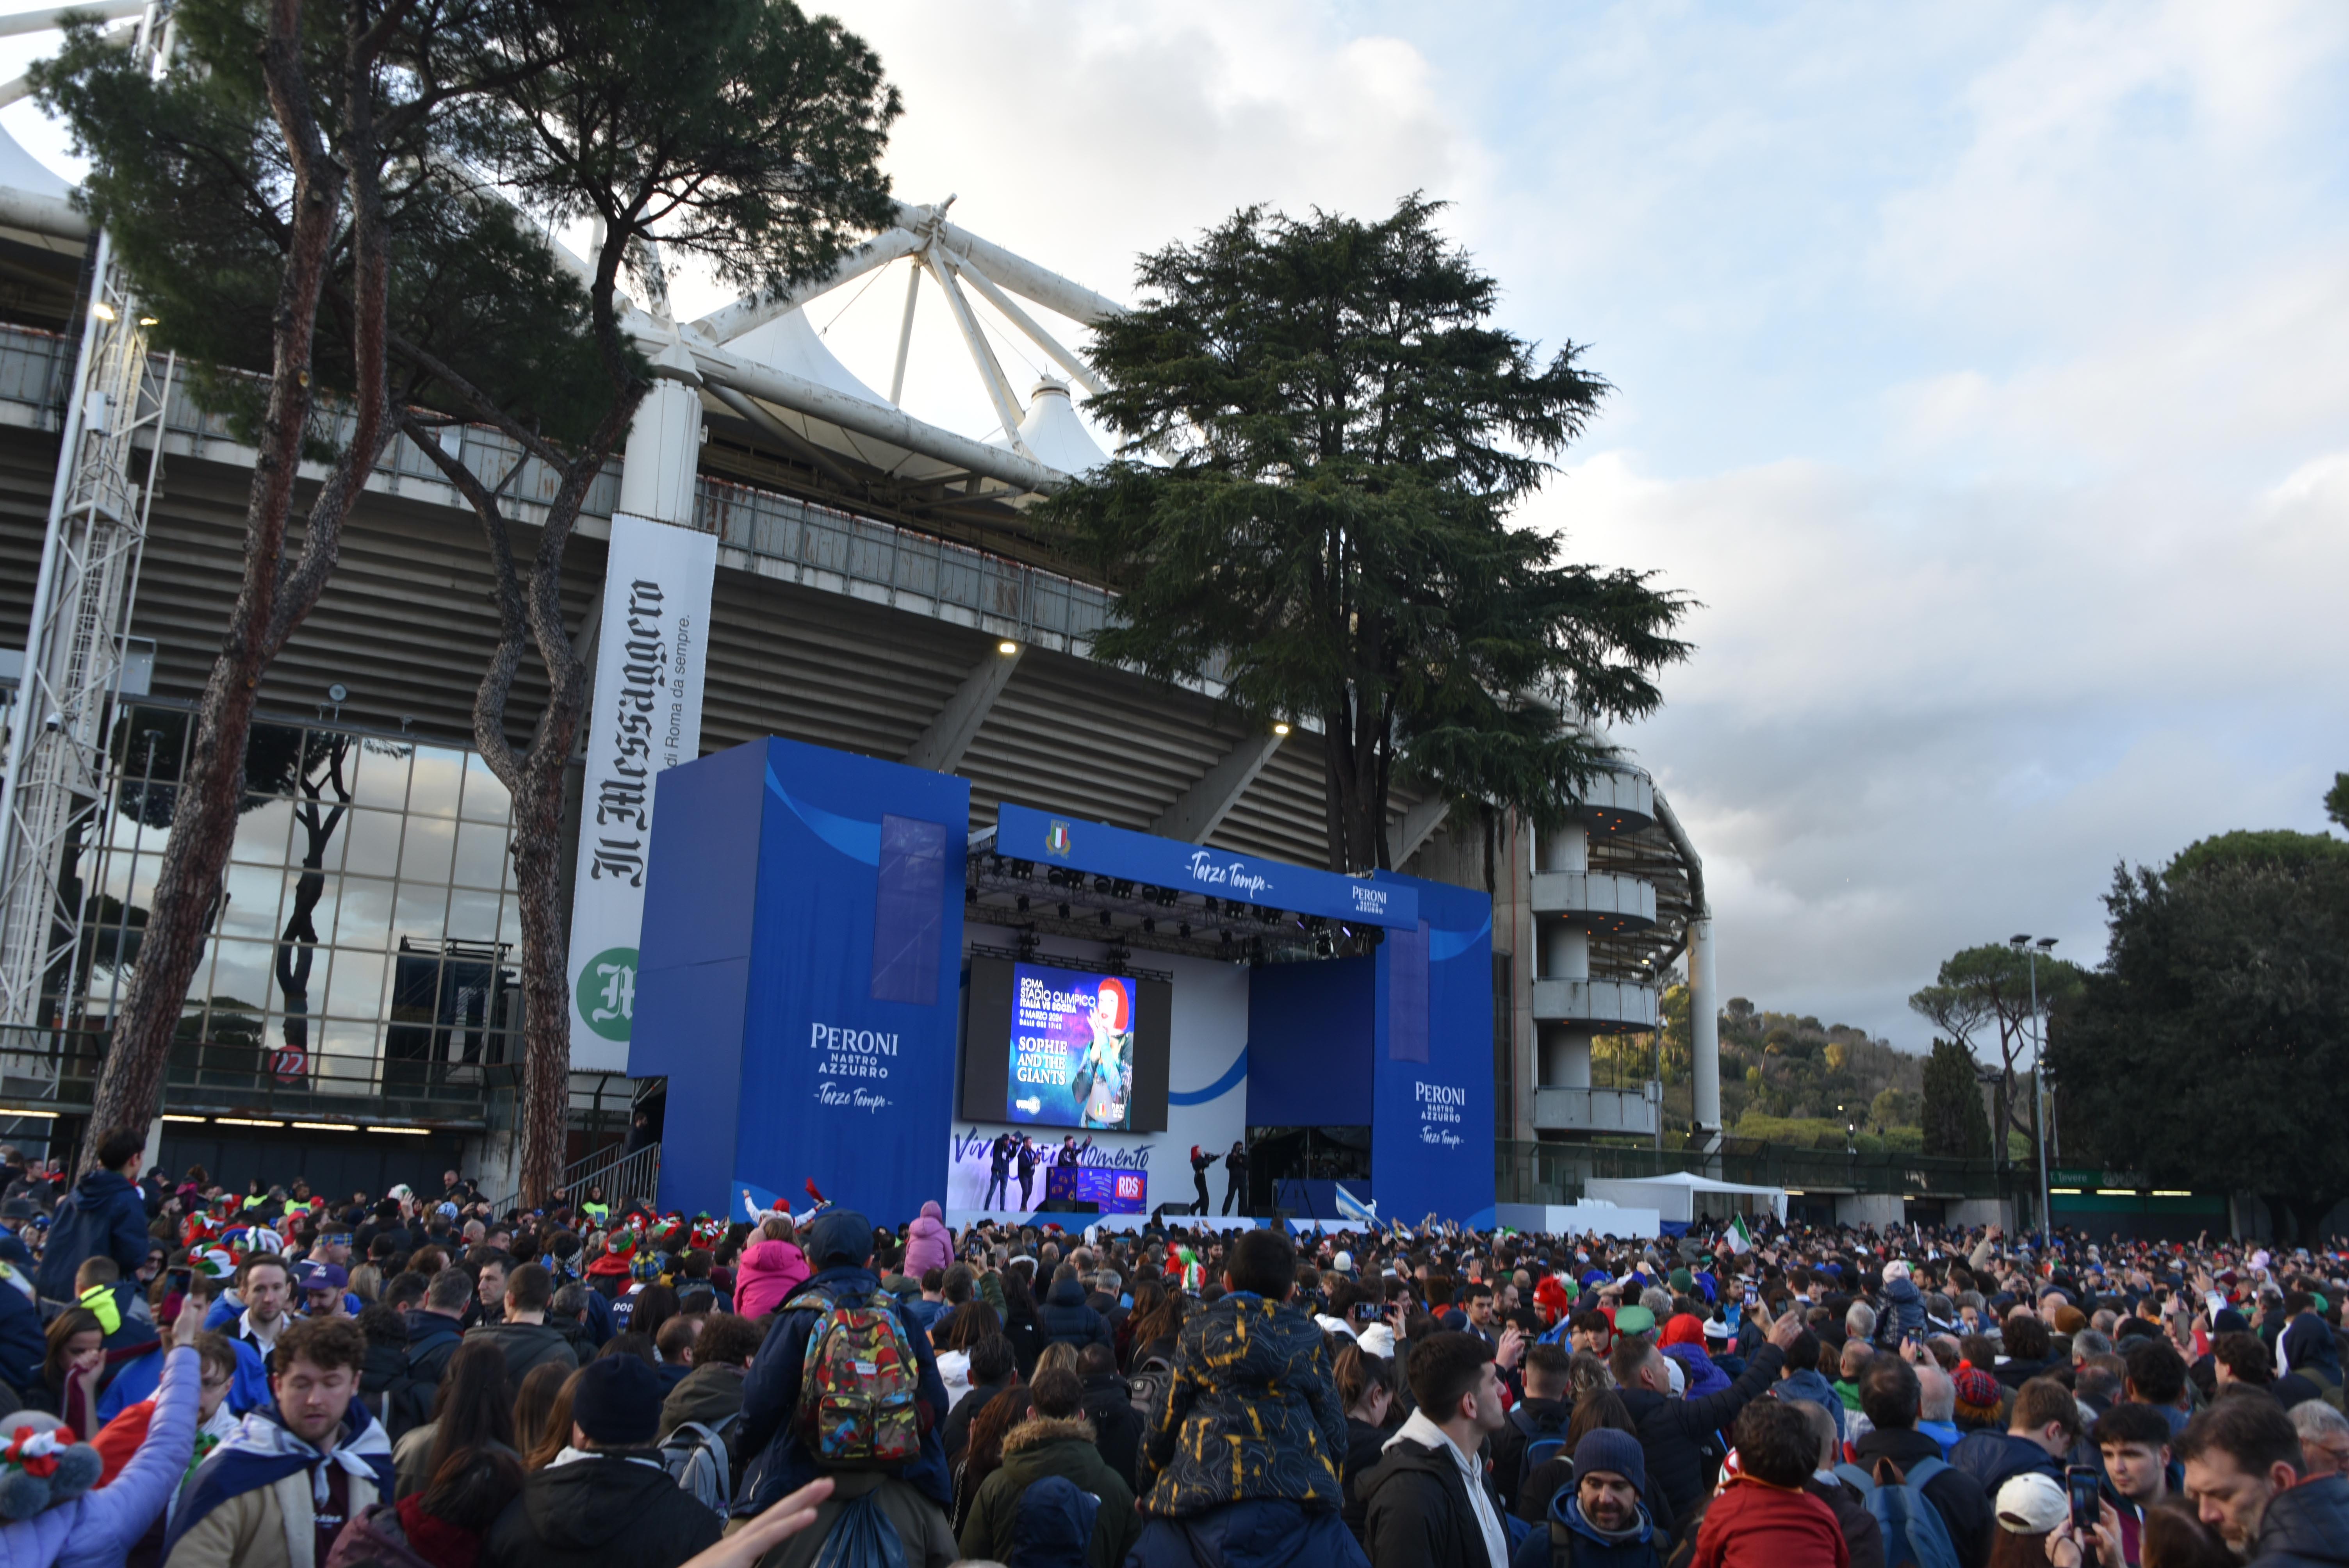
<point x="664" y="453"/>
<point x="1565" y="954"/>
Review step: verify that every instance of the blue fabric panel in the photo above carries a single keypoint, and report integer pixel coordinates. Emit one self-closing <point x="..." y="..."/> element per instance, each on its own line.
<point x="1308" y="1051"/>
<point x="905" y="913"/>
<point x="1407" y="995"/>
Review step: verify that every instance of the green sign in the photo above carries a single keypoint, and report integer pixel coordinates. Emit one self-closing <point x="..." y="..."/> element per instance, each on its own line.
<point x="606" y="993"/>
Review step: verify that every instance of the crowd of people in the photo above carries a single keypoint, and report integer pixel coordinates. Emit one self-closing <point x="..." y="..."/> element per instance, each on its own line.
<point x="270" y="1379"/>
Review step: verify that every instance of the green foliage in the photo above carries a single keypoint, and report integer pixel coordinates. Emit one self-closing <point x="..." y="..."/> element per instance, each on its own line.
<point x="1952" y="1114"/>
<point x="2337" y="800"/>
<point x="1983" y="999"/>
<point x="2211" y="1048"/>
<point x="191" y="176"/>
<point x="1793" y="1067"/>
<point x="2278" y="847"/>
<point x="1342" y="437"/>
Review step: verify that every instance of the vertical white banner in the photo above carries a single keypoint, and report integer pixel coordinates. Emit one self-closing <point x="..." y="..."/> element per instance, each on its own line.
<point x="649" y="658"/>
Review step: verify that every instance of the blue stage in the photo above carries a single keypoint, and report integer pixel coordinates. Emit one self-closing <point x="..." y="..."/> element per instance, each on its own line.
<point x="801" y="982"/>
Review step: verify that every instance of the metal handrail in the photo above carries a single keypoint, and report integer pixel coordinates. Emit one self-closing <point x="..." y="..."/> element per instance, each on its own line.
<point x="624" y="1177"/>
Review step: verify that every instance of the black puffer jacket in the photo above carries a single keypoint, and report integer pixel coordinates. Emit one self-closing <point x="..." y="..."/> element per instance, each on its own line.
<point x="2307" y="1527"/>
<point x="1419" y="1515"/>
<point x="1065" y="1319"/>
<point x="1672" y="1431"/>
<point x="594" y="1513"/>
<point x="1250" y="1411"/>
<point x="1109" y="1406"/>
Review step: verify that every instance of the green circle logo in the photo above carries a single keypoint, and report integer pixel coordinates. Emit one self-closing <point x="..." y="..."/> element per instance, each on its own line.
<point x="607" y="992"/>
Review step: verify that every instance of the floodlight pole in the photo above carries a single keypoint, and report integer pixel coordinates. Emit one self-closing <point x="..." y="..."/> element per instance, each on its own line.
<point x="2031" y="951"/>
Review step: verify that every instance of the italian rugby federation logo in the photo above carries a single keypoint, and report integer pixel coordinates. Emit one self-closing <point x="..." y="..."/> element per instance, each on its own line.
<point x="1057" y="842"/>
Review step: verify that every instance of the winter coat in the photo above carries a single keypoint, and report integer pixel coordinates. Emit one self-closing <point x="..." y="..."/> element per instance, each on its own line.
<point x="1066" y="1319"/>
<point x="1251" y="1410"/>
<point x="928" y="1245"/>
<point x="1418" y="1514"/>
<point x="1053" y="1525"/>
<point x="1811" y="1388"/>
<point x="1672" y="1431"/>
<point x="921" y="1529"/>
<point x="1547" y="1417"/>
<point x="431" y="1340"/>
<point x="710" y="1395"/>
<point x="258" y="1528"/>
<point x="1704" y="1378"/>
<point x="2307" y="1345"/>
<point x="98" y="1528"/>
<point x="1364" y="1446"/>
<point x="1903" y="1317"/>
<point x="2307" y="1527"/>
<point x="1117" y="1425"/>
<point x="771" y="1392"/>
<point x="1043" y="1445"/>
<point x="528" y="1347"/>
<point x="955" y="1434"/>
<point x="1956" y="1496"/>
<point x="1589" y="1549"/>
<point x="23" y="1344"/>
<point x="1993" y="1459"/>
<point x="1754" y="1525"/>
<point x="766" y="1273"/>
<point x="103" y="1216"/>
<point x="597" y="1512"/>
<point x="1261" y="1533"/>
<point x="1861" y="1533"/>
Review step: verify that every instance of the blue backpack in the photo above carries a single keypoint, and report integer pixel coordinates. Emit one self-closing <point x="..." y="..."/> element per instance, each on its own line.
<point x="1915" y="1534"/>
<point x="1544" y="1442"/>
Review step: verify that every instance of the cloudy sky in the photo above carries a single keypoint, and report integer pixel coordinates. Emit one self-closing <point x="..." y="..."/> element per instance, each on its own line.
<point x="1983" y="370"/>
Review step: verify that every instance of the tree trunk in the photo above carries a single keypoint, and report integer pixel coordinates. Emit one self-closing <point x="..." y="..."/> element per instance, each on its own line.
<point x="272" y="600"/>
<point x="545" y="1109"/>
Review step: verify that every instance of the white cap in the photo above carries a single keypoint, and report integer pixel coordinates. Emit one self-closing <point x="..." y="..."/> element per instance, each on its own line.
<point x="2029" y="1503"/>
<point x="1680" y="1378"/>
<point x="1343" y="1263"/>
<point x="1378" y="1340"/>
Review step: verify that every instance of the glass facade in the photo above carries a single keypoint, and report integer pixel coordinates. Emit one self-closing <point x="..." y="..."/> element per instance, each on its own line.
<point x="365" y="940"/>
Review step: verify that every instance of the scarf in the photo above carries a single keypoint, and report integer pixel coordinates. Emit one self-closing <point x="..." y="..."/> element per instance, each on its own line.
<point x="262" y="1452"/>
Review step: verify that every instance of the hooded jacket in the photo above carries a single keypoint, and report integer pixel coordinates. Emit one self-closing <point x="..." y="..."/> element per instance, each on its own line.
<point x="1066" y="1319"/>
<point x="1251" y="1410"/>
<point x="596" y="1512"/>
<point x="1044" y="1445"/>
<point x="765" y="1274"/>
<point x="431" y="1340"/>
<point x="1417" y="1511"/>
<point x="98" y="1528"/>
<point x="1753" y="1522"/>
<point x="2307" y="1527"/>
<point x="103" y="1216"/>
<point x="1672" y="1431"/>
<point x="1904" y="1314"/>
<point x="1811" y="1388"/>
<point x="1109" y="1406"/>
<point x="928" y="1245"/>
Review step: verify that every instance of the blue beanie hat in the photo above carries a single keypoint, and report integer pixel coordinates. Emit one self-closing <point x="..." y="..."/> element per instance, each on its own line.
<point x="839" y="1236"/>
<point x="1617" y="1453"/>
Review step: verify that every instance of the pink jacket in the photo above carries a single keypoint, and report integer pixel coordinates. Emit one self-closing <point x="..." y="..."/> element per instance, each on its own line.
<point x="927" y="1245"/>
<point x="767" y="1273"/>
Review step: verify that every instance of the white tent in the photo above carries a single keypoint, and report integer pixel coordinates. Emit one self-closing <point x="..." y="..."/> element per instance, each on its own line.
<point x="1683" y="1197"/>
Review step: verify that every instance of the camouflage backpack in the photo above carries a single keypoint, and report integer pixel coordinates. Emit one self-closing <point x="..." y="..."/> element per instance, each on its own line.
<point x="856" y="1408"/>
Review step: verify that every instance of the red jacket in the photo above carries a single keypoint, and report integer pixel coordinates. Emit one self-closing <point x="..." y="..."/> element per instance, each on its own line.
<point x="1753" y="1524"/>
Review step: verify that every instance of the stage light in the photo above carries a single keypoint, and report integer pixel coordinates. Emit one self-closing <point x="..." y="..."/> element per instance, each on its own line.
<point x="1149" y="923"/>
<point x="1024" y="903"/>
<point x="1007" y="647"/>
<point x="1184" y="929"/>
<point x="1064" y="912"/>
<point x="1104" y="918"/>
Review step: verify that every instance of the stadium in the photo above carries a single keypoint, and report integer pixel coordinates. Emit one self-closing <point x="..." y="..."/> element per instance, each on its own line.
<point x="876" y="590"/>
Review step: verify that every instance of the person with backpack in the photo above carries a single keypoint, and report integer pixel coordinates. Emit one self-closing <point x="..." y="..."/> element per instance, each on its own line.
<point x="1109" y="1406"/>
<point x="1602" y="1521"/>
<point x="103" y="1216"/>
<point x="864" y="1349"/>
<point x="1901" y="1473"/>
<point x="1056" y="1440"/>
<point x="1674" y="1432"/>
<point x="1861" y="1534"/>
<point x="434" y="1329"/>
<point x="1536" y="1431"/>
